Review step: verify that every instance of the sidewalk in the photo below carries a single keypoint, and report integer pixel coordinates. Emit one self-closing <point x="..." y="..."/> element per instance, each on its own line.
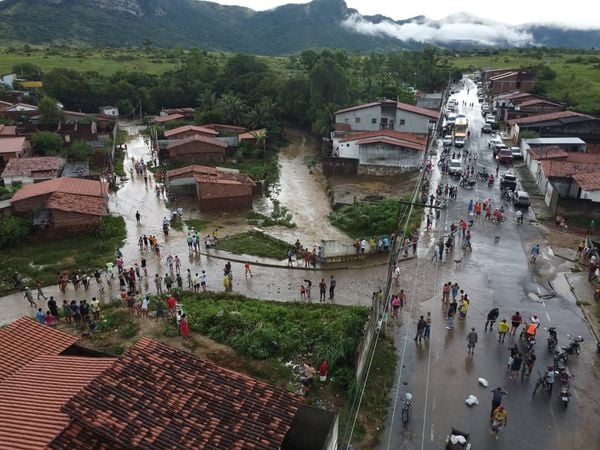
<point x="584" y="293"/>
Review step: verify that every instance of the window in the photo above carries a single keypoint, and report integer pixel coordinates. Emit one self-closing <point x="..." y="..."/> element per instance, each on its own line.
<point x="402" y="122"/>
<point x="346" y="120"/>
<point x="357" y="119"/>
<point x="373" y="120"/>
<point x="391" y="125"/>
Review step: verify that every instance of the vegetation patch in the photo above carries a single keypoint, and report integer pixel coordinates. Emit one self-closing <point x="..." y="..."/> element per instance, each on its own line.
<point x="41" y="260"/>
<point x="279" y="216"/>
<point x="196" y="224"/>
<point x="298" y="332"/>
<point x="373" y="219"/>
<point x="255" y="243"/>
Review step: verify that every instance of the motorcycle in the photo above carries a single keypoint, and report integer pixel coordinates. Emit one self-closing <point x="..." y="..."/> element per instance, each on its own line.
<point x="490" y="181"/>
<point x="482" y="175"/>
<point x="528" y="339"/>
<point x="560" y="361"/>
<point x="552" y="339"/>
<point x="467" y="183"/>
<point x="565" y="388"/>
<point x="574" y="347"/>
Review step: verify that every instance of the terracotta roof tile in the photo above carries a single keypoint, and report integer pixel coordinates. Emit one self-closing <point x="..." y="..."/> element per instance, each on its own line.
<point x="76" y="436"/>
<point x="8" y="130"/>
<point x="252" y="134"/>
<point x="12" y="144"/>
<point x="391" y="141"/>
<point x="414" y="139"/>
<point x="186" y="128"/>
<point x="233" y="128"/>
<point x="25" y="166"/>
<point x="83" y="204"/>
<point x="547" y="117"/>
<point x="24" y="340"/>
<point x="537" y="101"/>
<point x="554" y="168"/>
<point x="79" y="186"/>
<point x="30" y="416"/>
<point x="168" y="118"/>
<point x="547" y="152"/>
<point x="199" y="138"/>
<point x="588" y="181"/>
<point x="156" y="397"/>
<point x="191" y="170"/>
<point x="399" y="105"/>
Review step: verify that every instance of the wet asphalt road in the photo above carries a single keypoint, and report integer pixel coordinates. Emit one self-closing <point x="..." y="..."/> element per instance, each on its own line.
<point x="440" y="374"/>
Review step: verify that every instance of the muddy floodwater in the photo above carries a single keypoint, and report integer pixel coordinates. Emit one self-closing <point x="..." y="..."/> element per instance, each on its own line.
<point x="302" y="191"/>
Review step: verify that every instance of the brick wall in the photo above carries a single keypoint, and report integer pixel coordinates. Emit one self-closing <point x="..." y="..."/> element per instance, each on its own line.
<point x="29" y="205"/>
<point x="197" y="152"/>
<point x="224" y="196"/>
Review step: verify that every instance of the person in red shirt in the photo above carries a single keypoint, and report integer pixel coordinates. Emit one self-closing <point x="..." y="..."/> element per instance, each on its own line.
<point x="184" y="327"/>
<point x="171" y="303"/>
<point x="323" y="369"/>
<point x="516" y="321"/>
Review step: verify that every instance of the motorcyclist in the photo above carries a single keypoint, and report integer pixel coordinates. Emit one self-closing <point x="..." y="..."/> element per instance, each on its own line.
<point x="490" y="179"/>
<point x="519" y="216"/>
<point x="549" y="381"/>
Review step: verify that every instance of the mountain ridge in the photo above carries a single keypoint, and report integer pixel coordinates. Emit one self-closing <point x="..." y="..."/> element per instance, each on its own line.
<point x="285" y="29"/>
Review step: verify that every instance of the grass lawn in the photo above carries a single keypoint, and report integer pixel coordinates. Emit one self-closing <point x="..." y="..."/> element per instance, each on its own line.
<point x="40" y="261"/>
<point x="256" y="244"/>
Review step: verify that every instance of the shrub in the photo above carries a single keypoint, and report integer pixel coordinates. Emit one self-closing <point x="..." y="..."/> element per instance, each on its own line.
<point x="14" y="230"/>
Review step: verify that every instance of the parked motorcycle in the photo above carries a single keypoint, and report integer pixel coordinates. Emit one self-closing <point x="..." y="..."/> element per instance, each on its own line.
<point x="560" y="361"/>
<point x="565" y="388"/>
<point x="574" y="347"/>
<point x="552" y="339"/>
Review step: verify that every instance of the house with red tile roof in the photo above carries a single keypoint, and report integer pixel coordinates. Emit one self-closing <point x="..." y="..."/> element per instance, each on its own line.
<point x="510" y="81"/>
<point x="558" y="124"/>
<point x="588" y="186"/>
<point x="7" y="131"/>
<point x="162" y="119"/>
<point x="388" y="114"/>
<point x="157" y="397"/>
<point x="63" y="206"/>
<point x="40" y="372"/>
<point x="382" y="152"/>
<point x="196" y="149"/>
<point x="12" y="147"/>
<point x="214" y="188"/>
<point x="224" y="129"/>
<point x="189" y="131"/>
<point x="32" y="170"/>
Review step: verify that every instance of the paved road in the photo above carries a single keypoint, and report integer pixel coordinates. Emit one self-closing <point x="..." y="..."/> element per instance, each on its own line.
<point x="440" y="374"/>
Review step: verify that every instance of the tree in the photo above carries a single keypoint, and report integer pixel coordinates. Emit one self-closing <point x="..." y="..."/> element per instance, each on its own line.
<point x="28" y="71"/>
<point x="46" y="143"/>
<point x="78" y="151"/>
<point x="49" y="111"/>
<point x="14" y="231"/>
<point x="232" y="107"/>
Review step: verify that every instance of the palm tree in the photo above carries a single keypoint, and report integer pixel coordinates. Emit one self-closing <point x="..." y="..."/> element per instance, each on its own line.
<point x="233" y="108"/>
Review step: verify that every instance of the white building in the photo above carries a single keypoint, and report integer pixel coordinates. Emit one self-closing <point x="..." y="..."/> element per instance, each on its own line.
<point x="386" y="114"/>
<point x="112" y="111"/>
<point x="589" y="186"/>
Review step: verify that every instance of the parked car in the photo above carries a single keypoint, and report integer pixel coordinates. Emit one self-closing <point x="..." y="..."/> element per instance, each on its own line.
<point x="521" y="198"/>
<point x="508" y="181"/>
<point x="459" y="142"/>
<point x="490" y="118"/>
<point x="447" y="141"/>
<point x="455" y="167"/>
<point x="486" y="128"/>
<point x="516" y="152"/>
<point x="485" y="108"/>
<point x="451" y="119"/>
<point x="505" y="156"/>
<point x="496" y="140"/>
<point x="498" y="148"/>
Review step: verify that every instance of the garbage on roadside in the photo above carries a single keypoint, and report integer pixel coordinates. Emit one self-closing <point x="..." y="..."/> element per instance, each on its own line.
<point x="472" y="400"/>
<point x="483" y="382"/>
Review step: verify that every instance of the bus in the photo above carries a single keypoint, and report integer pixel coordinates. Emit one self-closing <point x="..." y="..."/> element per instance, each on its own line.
<point x="461" y="126"/>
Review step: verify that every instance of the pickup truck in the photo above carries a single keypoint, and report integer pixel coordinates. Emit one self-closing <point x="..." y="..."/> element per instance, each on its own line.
<point x="508" y="181"/>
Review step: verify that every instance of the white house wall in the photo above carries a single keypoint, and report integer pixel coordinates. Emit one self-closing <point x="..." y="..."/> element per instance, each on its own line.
<point x="389" y="155"/>
<point x="362" y="120"/>
<point x="590" y="195"/>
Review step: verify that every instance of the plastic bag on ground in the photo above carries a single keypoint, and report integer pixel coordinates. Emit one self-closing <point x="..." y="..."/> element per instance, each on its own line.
<point x="472" y="400"/>
<point x="483" y="382"/>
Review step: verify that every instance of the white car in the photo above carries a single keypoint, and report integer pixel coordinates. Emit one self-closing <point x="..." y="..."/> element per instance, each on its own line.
<point x="516" y="152"/>
<point x="455" y="167"/>
<point x="496" y="140"/>
<point x="459" y="142"/>
<point x="447" y="140"/>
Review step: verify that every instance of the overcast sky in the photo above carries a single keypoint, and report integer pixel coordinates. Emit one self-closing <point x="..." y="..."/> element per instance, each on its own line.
<point x="573" y="12"/>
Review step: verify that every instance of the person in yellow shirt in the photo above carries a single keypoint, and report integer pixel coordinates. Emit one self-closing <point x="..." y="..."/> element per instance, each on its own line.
<point x="499" y="420"/>
<point x="502" y="330"/>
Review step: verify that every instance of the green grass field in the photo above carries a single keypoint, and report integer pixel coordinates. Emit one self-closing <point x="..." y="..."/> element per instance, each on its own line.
<point x="108" y="61"/>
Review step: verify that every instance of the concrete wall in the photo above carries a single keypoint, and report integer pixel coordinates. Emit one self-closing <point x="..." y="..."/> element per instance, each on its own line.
<point x="382" y="171"/>
<point x="362" y="120"/>
<point x="389" y="155"/>
<point x="339" y="166"/>
<point x="20" y="179"/>
<point x="224" y="196"/>
<point x="594" y="196"/>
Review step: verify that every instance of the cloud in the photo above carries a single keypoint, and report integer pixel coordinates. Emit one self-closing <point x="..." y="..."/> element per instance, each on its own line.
<point x="452" y="29"/>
